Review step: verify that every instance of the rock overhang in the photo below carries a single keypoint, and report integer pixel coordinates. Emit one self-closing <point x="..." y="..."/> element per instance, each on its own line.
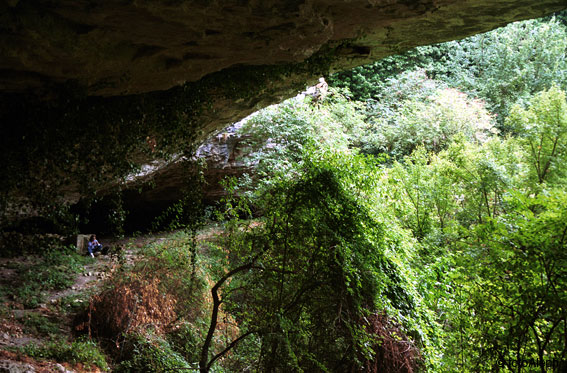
<point x="110" y="48"/>
<point x="91" y="89"/>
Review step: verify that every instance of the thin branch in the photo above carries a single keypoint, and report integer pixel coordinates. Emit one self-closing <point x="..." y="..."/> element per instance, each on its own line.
<point x="229" y="347"/>
<point x="204" y="366"/>
<point x="548" y="163"/>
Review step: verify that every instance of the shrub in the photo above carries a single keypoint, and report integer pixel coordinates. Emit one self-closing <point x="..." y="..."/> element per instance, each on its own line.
<point x="186" y="339"/>
<point x="133" y="304"/>
<point x="425" y="114"/>
<point x="81" y="351"/>
<point x="150" y="355"/>
<point x="40" y="324"/>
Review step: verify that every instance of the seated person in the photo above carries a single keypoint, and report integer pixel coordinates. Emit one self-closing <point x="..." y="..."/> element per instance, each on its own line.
<point x="93" y="246"/>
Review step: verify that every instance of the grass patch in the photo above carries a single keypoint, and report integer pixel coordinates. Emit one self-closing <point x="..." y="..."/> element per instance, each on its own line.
<point x="147" y="354"/>
<point x="29" y="295"/>
<point x="74" y="303"/>
<point x="81" y="351"/>
<point x="54" y="270"/>
<point x="39" y="324"/>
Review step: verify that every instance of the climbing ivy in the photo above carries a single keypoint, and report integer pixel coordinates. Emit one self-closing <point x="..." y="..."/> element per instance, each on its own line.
<point x="75" y="143"/>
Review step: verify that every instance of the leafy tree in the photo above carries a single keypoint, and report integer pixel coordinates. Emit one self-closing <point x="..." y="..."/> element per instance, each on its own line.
<point x="508" y="65"/>
<point x="542" y="128"/>
<point x="311" y="278"/>
<point x="369" y="81"/>
<point x="517" y="290"/>
<point x="277" y="136"/>
<point x="413" y="202"/>
<point x="480" y="180"/>
<point x="416" y="110"/>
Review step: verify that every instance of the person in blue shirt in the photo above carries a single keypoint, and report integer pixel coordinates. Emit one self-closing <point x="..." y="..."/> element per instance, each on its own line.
<point x="93" y="246"/>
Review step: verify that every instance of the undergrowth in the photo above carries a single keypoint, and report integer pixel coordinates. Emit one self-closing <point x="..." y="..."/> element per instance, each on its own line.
<point x="153" y="314"/>
<point x="40" y="324"/>
<point x="56" y="269"/>
<point x="81" y="351"/>
<point x="151" y="354"/>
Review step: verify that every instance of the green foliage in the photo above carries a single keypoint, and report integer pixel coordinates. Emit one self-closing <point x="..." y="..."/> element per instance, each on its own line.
<point x="370" y="81"/>
<point x="480" y="178"/>
<point x="443" y="199"/>
<point x="414" y="110"/>
<point x="151" y="355"/>
<point x="319" y="262"/>
<point x="472" y="260"/>
<point x="186" y="339"/>
<point x="508" y="65"/>
<point x="492" y="236"/>
<point x="502" y="67"/>
<point x="39" y="324"/>
<point x="56" y="270"/>
<point x="175" y="262"/>
<point x="516" y="284"/>
<point x="542" y="128"/>
<point x="116" y="215"/>
<point x="80" y="351"/>
<point x="30" y="295"/>
<point x="461" y="263"/>
<point x="278" y="135"/>
<point x="412" y="188"/>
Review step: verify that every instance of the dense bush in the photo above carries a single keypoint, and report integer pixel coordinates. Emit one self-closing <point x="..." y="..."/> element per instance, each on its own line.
<point x="81" y="351"/>
<point x="417" y="111"/>
<point x="54" y="270"/>
<point x="305" y="277"/>
<point x="277" y="136"/>
<point x="150" y="354"/>
<point x="508" y="65"/>
<point x="367" y="83"/>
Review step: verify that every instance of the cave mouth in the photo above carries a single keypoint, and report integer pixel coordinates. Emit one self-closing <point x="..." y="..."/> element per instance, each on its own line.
<point x="92" y="92"/>
<point x="133" y="217"/>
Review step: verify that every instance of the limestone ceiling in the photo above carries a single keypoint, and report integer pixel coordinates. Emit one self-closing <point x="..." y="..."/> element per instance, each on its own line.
<point x="122" y="47"/>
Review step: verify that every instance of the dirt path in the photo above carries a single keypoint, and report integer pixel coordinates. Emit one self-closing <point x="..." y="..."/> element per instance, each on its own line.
<point x="20" y="326"/>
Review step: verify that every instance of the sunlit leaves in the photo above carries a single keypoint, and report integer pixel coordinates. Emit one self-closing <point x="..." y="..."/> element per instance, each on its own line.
<point x="417" y="111"/>
<point x="519" y="293"/>
<point x="543" y="130"/>
<point x="508" y="65"/>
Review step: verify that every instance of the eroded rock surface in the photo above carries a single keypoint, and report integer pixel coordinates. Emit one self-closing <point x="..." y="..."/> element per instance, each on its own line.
<point x="163" y="183"/>
<point x="129" y="47"/>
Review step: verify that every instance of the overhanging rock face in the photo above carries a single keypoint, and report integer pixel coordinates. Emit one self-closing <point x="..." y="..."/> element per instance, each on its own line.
<point x="115" y="47"/>
<point x="90" y="89"/>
